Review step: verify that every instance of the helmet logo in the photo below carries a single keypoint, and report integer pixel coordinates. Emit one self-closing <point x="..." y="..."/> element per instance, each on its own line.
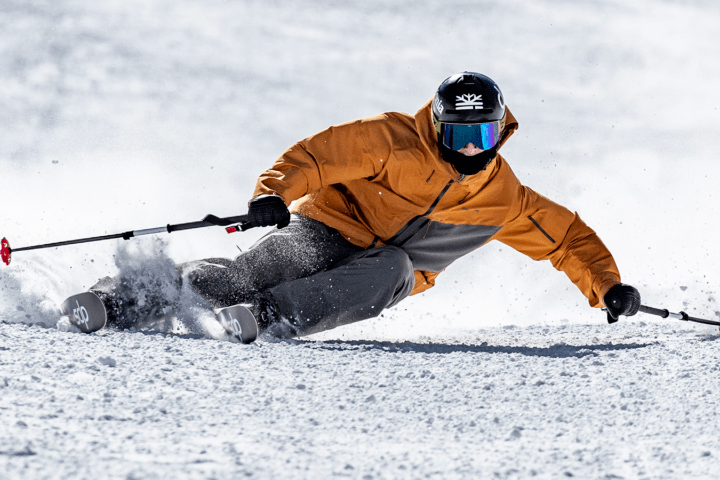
<point x="468" y="101"/>
<point x="501" y="100"/>
<point x="438" y="104"/>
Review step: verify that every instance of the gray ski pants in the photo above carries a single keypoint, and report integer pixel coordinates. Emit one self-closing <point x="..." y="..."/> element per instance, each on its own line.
<point x="316" y="278"/>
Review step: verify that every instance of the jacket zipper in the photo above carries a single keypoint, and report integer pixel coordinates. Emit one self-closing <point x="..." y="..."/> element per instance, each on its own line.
<point x="391" y="240"/>
<point x="541" y="229"/>
<point x="437" y="200"/>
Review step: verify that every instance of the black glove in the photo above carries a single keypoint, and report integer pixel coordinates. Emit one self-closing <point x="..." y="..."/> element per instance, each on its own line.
<point x="621" y="299"/>
<point x="267" y="210"/>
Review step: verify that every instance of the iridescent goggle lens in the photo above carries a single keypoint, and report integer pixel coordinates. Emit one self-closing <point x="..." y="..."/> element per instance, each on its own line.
<point x="483" y="135"/>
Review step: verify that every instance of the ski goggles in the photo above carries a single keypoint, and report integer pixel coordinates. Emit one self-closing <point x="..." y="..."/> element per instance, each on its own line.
<point x="483" y="135"/>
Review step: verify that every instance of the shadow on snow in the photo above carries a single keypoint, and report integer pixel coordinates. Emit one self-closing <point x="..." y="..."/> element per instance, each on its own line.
<point x="555" y="351"/>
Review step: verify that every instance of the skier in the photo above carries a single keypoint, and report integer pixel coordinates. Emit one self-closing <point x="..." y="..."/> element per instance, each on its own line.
<point x="383" y="205"/>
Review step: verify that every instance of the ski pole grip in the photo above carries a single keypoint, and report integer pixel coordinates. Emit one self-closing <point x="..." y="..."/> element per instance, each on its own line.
<point x="237" y="228"/>
<point x="664" y="313"/>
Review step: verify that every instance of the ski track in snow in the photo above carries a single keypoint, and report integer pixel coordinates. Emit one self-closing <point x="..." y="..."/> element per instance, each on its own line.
<point x="632" y="400"/>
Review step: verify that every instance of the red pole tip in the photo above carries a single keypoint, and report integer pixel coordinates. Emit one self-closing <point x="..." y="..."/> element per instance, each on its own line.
<point x="5" y="251"/>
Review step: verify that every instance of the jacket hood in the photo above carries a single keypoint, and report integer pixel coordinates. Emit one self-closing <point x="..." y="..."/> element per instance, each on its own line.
<point x="428" y="135"/>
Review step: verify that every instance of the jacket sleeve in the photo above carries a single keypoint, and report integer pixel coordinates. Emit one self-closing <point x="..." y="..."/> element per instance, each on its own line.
<point x="336" y="155"/>
<point x="545" y="230"/>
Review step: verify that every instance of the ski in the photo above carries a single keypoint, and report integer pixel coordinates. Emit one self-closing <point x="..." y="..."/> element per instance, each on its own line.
<point x="239" y="322"/>
<point x="86" y="311"/>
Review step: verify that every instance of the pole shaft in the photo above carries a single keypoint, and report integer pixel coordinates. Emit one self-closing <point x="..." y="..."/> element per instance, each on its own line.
<point x="71" y="242"/>
<point x="127" y="235"/>
<point x="149" y="231"/>
<point x="679" y="316"/>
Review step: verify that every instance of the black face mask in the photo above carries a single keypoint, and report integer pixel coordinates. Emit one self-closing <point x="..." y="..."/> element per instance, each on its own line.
<point x="468" y="165"/>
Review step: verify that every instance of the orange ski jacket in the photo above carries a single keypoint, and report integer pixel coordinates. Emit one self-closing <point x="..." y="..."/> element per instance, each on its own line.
<point x="381" y="181"/>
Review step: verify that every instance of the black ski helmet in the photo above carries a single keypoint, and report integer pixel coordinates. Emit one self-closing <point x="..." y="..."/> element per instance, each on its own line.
<point x="468" y="106"/>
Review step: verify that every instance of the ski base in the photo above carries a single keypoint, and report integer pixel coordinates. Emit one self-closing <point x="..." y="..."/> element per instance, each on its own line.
<point x="86" y="311"/>
<point x="239" y="322"/>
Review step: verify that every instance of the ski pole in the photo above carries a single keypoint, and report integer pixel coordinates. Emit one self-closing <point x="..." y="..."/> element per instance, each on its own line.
<point x="232" y="224"/>
<point x="679" y="316"/>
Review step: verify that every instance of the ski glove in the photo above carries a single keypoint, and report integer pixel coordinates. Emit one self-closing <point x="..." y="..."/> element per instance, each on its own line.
<point x="621" y="299"/>
<point x="267" y="210"/>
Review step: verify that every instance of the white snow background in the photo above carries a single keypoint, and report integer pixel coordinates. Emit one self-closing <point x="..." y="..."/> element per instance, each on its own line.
<point x="125" y="115"/>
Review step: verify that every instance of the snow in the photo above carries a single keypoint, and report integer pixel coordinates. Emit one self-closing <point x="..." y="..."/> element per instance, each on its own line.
<point x="129" y="115"/>
<point x="637" y="401"/>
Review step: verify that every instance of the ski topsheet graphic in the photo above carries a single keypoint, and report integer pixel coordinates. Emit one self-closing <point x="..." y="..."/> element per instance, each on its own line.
<point x="238" y="321"/>
<point x="86" y="311"/>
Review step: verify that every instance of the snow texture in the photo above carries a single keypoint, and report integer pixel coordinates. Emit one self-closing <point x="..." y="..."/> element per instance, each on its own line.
<point x="120" y="116"/>
<point x="637" y="401"/>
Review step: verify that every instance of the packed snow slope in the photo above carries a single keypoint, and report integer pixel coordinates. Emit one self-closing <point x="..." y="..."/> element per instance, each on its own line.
<point x="127" y="115"/>
<point x="584" y="401"/>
